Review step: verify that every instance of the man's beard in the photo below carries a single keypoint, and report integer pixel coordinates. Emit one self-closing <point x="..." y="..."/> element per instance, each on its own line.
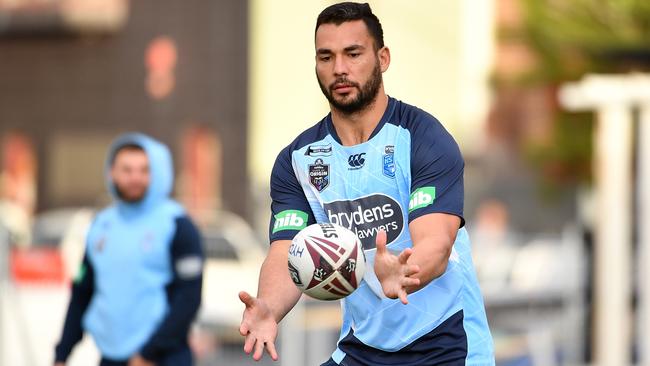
<point x="120" y="193"/>
<point x="365" y="97"/>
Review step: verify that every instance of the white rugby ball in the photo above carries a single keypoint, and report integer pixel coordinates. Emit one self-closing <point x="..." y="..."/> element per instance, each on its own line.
<point x="326" y="261"/>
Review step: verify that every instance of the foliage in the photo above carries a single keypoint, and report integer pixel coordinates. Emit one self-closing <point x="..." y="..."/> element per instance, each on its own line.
<point x="571" y="38"/>
<point x="574" y="37"/>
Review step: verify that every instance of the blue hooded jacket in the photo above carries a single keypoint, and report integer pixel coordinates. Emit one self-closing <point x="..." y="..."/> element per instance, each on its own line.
<point x="139" y="286"/>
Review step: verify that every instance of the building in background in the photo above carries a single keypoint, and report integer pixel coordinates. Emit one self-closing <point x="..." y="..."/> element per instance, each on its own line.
<point x="72" y="80"/>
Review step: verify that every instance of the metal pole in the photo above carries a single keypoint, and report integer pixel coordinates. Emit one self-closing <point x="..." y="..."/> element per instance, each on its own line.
<point x="643" y="187"/>
<point x="613" y="250"/>
<point x="613" y="97"/>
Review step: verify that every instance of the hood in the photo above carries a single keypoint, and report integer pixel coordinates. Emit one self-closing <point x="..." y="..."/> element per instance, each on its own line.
<point x="161" y="169"/>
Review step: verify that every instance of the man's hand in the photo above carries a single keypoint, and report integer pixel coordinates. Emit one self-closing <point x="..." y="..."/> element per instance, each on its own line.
<point x="393" y="271"/>
<point x="138" y="360"/>
<point x="259" y="327"/>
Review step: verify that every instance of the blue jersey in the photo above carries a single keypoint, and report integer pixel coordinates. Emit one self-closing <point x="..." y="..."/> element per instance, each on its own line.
<point x="409" y="167"/>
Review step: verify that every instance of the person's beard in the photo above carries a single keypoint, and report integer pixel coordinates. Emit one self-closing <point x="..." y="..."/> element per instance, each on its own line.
<point x="128" y="199"/>
<point x="366" y="94"/>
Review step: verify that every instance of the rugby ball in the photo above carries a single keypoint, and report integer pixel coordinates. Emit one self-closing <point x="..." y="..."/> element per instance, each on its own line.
<point x="326" y="261"/>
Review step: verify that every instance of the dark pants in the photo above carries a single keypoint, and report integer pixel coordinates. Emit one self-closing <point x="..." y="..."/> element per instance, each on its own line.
<point x="181" y="357"/>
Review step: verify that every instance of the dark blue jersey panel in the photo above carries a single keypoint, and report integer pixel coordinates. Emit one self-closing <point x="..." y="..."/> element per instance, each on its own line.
<point x="436" y="161"/>
<point x="82" y="292"/>
<point x="287" y="195"/>
<point x="445" y="345"/>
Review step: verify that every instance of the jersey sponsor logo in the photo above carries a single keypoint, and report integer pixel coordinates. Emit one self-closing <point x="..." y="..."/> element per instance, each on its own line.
<point x="319" y="150"/>
<point x="389" y="161"/>
<point x="356" y="161"/>
<point x="290" y="220"/>
<point x="422" y="197"/>
<point x="366" y="216"/>
<point x="319" y="175"/>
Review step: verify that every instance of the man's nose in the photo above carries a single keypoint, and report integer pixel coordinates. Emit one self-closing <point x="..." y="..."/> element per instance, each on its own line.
<point x="340" y="66"/>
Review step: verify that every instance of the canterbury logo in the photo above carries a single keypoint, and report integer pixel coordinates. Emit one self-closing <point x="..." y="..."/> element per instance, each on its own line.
<point x="356" y="161"/>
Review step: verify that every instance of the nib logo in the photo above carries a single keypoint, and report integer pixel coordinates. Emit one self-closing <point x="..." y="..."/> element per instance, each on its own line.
<point x="290" y="220"/>
<point x="422" y="197"/>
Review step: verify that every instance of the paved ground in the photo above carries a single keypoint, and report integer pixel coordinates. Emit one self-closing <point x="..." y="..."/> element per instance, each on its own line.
<point x="30" y="324"/>
<point x="31" y="318"/>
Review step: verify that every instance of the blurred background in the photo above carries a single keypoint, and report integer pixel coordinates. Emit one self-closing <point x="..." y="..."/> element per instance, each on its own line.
<point x="547" y="99"/>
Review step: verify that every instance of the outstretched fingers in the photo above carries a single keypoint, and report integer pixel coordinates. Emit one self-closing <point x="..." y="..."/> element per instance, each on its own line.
<point x="408" y="270"/>
<point x="270" y="349"/>
<point x="380" y="242"/>
<point x="405" y="255"/>
<point x="259" y="350"/>
<point x="243" y="329"/>
<point x="256" y="344"/>
<point x="246" y="298"/>
<point x="249" y="343"/>
<point x="410" y="282"/>
<point x="258" y="328"/>
<point x="402" y="296"/>
<point x="411" y="269"/>
<point x="260" y="345"/>
<point x="396" y="275"/>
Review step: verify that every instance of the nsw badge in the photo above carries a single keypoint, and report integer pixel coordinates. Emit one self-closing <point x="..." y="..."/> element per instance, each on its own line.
<point x="389" y="161"/>
<point x="319" y="175"/>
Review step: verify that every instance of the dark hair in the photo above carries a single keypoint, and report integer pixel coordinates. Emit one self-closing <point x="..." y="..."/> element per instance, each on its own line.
<point x="126" y="147"/>
<point x="349" y="11"/>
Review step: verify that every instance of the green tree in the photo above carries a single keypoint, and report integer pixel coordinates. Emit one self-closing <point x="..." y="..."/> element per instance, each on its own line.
<point x="569" y="39"/>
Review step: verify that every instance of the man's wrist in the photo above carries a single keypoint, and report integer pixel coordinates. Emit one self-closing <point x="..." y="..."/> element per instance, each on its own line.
<point x="276" y="314"/>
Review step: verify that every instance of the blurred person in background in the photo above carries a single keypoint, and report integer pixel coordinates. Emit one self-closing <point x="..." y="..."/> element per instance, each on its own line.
<point x="139" y="285"/>
<point x="421" y="305"/>
<point x="495" y="244"/>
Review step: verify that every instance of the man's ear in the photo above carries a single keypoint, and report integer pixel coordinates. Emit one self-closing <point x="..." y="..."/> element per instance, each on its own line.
<point x="384" y="58"/>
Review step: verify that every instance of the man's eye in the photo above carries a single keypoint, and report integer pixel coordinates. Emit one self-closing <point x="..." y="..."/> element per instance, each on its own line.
<point x="325" y="58"/>
<point x="354" y="55"/>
